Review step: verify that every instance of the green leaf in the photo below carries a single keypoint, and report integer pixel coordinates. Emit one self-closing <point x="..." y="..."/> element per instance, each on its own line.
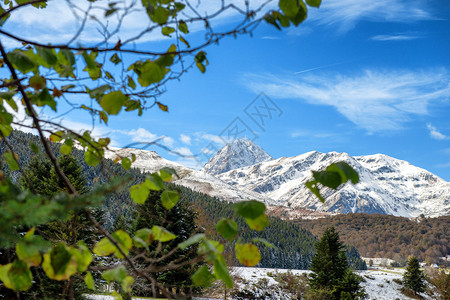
<point x="314" y="3"/>
<point x="68" y="56"/>
<point x="21" y="61"/>
<point x="227" y="228"/>
<point x="16" y="276"/>
<point x="329" y="179"/>
<point x="161" y="234"/>
<point x="221" y="272"/>
<point x="28" y="250"/>
<point x="203" y="277"/>
<point x="140" y="243"/>
<point x="115" y="59"/>
<point x="249" y="209"/>
<point x="183" y="40"/>
<point x="131" y="82"/>
<point x="345" y="171"/>
<point x="59" y="263"/>
<point x="247" y="254"/>
<point x="89" y="280"/>
<point x="169" y="199"/>
<point x="65" y="149"/>
<point x="112" y="103"/>
<point x="34" y="148"/>
<point x="10" y="159"/>
<point x="98" y="92"/>
<point x="259" y="223"/>
<point x="154" y="182"/>
<point x="312" y="186"/>
<point x="289" y="7"/>
<point x="117" y="274"/>
<point x="125" y="242"/>
<point x="7" y="95"/>
<point x="191" y="241"/>
<point x="183" y="27"/>
<point x="91" y="158"/>
<point x="44" y="98"/>
<point x="160" y="15"/>
<point x="104" y="247"/>
<point x="166" y="30"/>
<point x="82" y="256"/>
<point x="48" y="55"/>
<point x="150" y="72"/>
<point x="126" y="163"/>
<point x="139" y="193"/>
<point x="166" y="174"/>
<point x="37" y="82"/>
<point x="145" y="234"/>
<point x="126" y="284"/>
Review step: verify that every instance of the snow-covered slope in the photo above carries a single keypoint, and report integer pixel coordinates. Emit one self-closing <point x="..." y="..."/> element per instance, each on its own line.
<point x="387" y="185"/>
<point x="150" y="161"/>
<point x="237" y="154"/>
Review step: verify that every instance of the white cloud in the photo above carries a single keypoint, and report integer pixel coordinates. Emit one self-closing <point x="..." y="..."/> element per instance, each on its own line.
<point x="33" y="24"/>
<point x="140" y="135"/>
<point x="211" y="137"/>
<point x="373" y="100"/>
<point x="345" y="14"/>
<point x="394" y="37"/>
<point x="184" y="151"/>
<point x="185" y="139"/>
<point x="435" y="134"/>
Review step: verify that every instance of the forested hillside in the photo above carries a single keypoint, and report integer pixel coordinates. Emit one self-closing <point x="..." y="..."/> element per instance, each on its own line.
<point x="388" y="236"/>
<point x="294" y="246"/>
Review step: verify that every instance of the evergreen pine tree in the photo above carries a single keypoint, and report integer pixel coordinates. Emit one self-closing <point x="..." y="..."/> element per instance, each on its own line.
<point x="180" y="220"/>
<point x="46" y="182"/>
<point x="331" y="272"/>
<point x="414" y="278"/>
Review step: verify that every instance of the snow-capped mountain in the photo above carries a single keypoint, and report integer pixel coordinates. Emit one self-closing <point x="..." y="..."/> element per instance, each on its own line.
<point x="150" y="161"/>
<point x="237" y="154"/>
<point x="387" y="185"/>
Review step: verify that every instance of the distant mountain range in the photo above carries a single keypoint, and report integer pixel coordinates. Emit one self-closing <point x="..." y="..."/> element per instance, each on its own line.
<point x="243" y="170"/>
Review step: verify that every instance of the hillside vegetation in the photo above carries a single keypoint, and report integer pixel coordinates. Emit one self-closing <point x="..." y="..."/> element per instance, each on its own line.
<point x="387" y="236"/>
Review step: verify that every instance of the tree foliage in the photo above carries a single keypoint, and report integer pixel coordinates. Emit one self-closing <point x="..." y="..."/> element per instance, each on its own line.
<point x="104" y="78"/>
<point x="413" y="278"/>
<point x="331" y="274"/>
<point x="397" y="238"/>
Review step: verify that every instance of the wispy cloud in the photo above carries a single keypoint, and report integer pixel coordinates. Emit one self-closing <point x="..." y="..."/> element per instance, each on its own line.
<point x="394" y="37"/>
<point x="373" y="100"/>
<point x="185" y="139"/>
<point x="347" y="13"/>
<point x="435" y="133"/>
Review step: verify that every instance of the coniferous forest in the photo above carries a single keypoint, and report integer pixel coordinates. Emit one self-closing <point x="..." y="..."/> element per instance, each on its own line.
<point x="293" y="245"/>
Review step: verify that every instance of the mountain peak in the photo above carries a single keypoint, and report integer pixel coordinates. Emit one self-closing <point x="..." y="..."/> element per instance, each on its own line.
<point x="237" y="154"/>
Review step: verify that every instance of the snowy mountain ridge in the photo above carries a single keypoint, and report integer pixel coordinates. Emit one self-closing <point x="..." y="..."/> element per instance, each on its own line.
<point x="387" y="185"/>
<point x="237" y="154"/>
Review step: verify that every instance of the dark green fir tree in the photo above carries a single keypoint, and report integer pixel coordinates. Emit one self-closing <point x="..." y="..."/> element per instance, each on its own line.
<point x="180" y="220"/>
<point x="331" y="276"/>
<point x="414" y="278"/>
<point x="44" y="181"/>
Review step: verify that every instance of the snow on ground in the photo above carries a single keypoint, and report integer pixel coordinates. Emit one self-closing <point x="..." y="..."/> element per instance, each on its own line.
<point x="379" y="283"/>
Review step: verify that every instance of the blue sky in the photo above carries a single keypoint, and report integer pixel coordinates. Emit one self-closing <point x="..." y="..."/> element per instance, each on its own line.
<point x="358" y="76"/>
